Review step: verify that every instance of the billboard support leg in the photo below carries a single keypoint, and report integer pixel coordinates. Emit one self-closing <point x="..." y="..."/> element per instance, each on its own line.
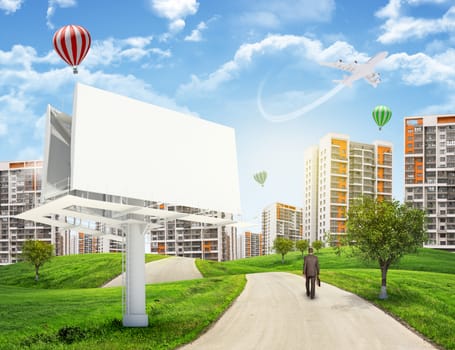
<point x="135" y="314"/>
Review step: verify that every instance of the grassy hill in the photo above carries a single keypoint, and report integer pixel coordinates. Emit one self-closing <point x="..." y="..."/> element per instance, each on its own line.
<point x="64" y="310"/>
<point x="423" y="260"/>
<point x="71" y="271"/>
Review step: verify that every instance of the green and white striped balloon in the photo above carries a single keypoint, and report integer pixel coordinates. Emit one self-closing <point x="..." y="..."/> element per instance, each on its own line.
<point x="381" y="115"/>
<point x="260" y="177"/>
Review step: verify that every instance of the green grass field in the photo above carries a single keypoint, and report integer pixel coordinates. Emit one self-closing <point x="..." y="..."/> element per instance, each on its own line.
<point x="421" y="286"/>
<point x="90" y="318"/>
<point x="71" y="271"/>
<point x="423" y="260"/>
<point x="65" y="310"/>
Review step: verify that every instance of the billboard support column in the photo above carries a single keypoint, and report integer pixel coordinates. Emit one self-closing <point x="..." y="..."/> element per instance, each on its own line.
<point x="135" y="312"/>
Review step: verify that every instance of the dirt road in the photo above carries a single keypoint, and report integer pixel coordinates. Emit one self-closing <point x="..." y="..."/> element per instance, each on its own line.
<point x="165" y="270"/>
<point x="274" y="313"/>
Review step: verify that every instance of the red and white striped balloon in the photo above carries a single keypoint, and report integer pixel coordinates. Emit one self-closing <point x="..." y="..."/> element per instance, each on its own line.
<point x="72" y="43"/>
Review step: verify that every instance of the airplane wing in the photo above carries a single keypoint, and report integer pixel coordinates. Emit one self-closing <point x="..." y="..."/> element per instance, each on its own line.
<point x="348" y="67"/>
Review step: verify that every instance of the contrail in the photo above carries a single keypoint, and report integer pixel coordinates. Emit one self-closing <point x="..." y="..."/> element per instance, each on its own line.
<point x="278" y="118"/>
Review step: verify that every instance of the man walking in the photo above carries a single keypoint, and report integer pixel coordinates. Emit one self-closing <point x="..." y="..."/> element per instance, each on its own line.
<point x="311" y="272"/>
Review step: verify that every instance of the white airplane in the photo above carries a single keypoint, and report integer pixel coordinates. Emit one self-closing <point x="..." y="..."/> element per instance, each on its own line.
<point x="359" y="70"/>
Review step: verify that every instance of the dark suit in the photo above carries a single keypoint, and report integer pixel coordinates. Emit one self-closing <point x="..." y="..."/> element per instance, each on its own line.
<point x="311" y="272"/>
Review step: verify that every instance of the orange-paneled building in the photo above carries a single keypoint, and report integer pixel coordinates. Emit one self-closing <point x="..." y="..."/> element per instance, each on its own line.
<point x="429" y="174"/>
<point x="337" y="171"/>
<point x="193" y="239"/>
<point x="254" y="244"/>
<point x="281" y="220"/>
<point x="20" y="190"/>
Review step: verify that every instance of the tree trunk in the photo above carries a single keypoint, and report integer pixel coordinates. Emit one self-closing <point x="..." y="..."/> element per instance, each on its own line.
<point x="36" y="273"/>
<point x="282" y="258"/>
<point x="384" y="268"/>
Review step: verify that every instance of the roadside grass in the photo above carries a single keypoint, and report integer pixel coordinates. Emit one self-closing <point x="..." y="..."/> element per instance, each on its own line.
<point x="70" y="271"/>
<point x="91" y="318"/>
<point x="420" y="287"/>
<point x="423" y="300"/>
<point x="422" y="260"/>
<point x="72" y="314"/>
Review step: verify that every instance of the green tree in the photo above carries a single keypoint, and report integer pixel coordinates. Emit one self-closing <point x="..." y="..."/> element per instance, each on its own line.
<point x="302" y="245"/>
<point x="282" y="246"/>
<point x="317" y="245"/>
<point x="37" y="253"/>
<point x="385" y="231"/>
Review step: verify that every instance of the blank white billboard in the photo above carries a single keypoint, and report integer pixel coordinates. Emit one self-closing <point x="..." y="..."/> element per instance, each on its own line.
<point x="125" y="147"/>
<point x="57" y="153"/>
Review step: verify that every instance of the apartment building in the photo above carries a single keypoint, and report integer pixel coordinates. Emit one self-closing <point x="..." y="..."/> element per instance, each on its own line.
<point x="253" y="244"/>
<point x="429" y="183"/>
<point x="88" y="244"/>
<point x="338" y="171"/>
<point x="281" y="220"/>
<point x="193" y="239"/>
<point x="20" y="190"/>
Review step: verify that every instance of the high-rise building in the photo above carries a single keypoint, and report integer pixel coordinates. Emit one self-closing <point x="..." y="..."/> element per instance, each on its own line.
<point x="281" y="220"/>
<point x="193" y="239"/>
<point x="430" y="174"/>
<point x="337" y="172"/>
<point x="253" y="244"/>
<point x="20" y="190"/>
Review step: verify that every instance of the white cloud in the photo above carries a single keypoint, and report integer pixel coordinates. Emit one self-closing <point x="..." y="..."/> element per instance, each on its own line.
<point x="301" y="45"/>
<point x="111" y="51"/>
<point x="10" y="6"/>
<point x="421" y="69"/>
<point x="52" y="5"/>
<point x="196" y="34"/>
<point x="417" y="70"/>
<point x="176" y="25"/>
<point x="398" y="28"/>
<point x="391" y="10"/>
<point x="175" y="11"/>
<point x="114" y="51"/>
<point x="19" y="55"/>
<point x="420" y="2"/>
<point x="40" y="127"/>
<point x="446" y="107"/>
<point x="16" y="117"/>
<point x="138" y="41"/>
<point x="130" y="86"/>
<point x="25" y="90"/>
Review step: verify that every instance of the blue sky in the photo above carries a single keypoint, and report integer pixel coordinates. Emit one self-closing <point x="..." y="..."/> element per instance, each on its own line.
<point x="209" y="58"/>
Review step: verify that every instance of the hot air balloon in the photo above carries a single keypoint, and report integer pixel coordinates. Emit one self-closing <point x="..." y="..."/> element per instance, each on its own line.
<point x="381" y="115"/>
<point x="72" y="43"/>
<point x="260" y="177"/>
